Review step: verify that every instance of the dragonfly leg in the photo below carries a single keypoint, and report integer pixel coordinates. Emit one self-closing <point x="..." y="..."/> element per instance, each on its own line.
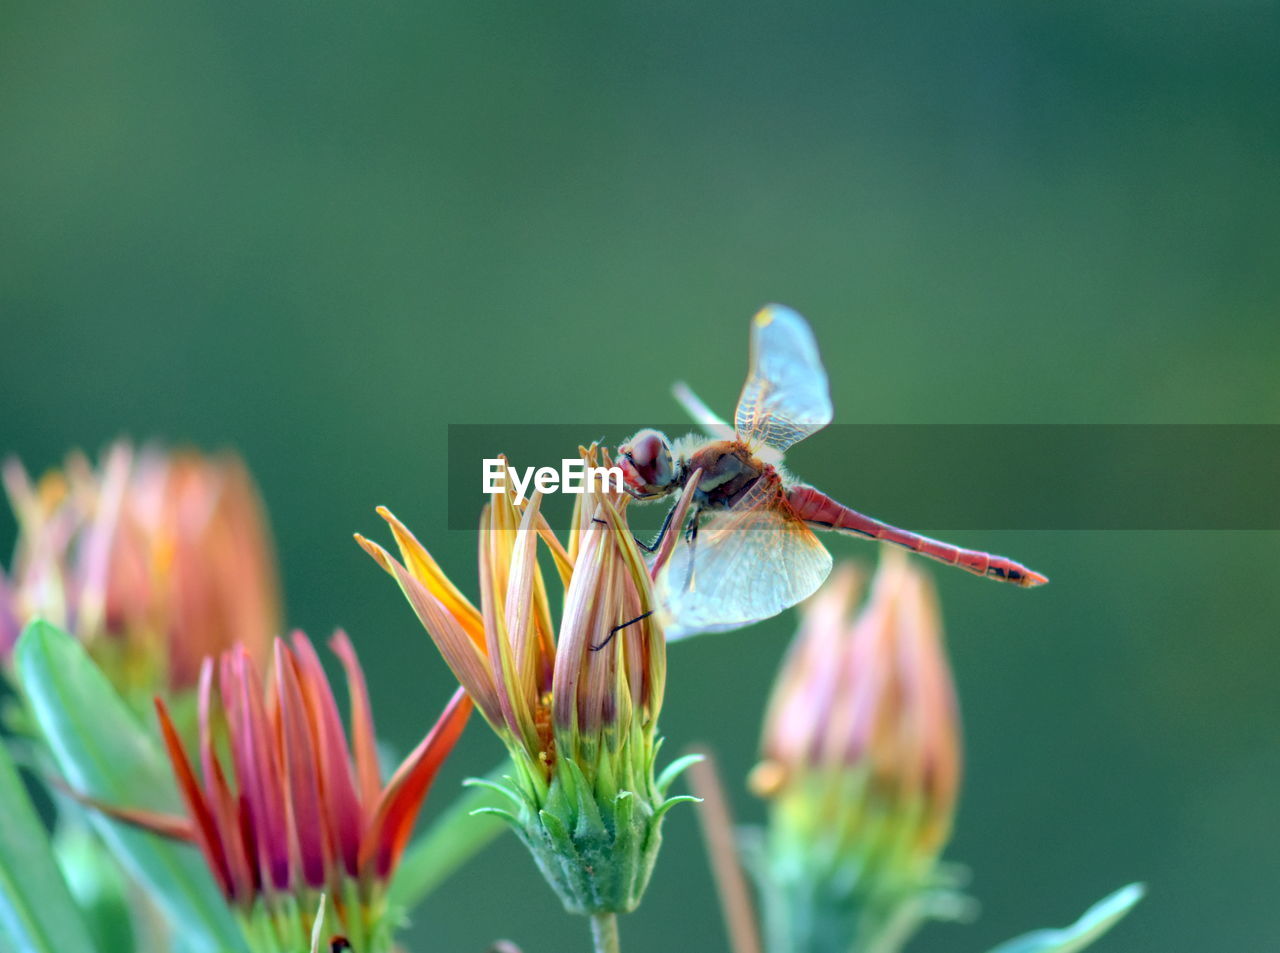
<point x="691" y="538"/>
<point x="652" y="548"/>
<point x="618" y="628"/>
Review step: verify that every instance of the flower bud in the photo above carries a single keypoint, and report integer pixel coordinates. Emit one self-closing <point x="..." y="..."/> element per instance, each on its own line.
<point x="285" y="809"/>
<point x="861" y="767"/>
<point x="576" y="706"/>
<point x="153" y="560"/>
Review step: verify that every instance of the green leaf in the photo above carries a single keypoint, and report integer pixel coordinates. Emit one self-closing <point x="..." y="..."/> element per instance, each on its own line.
<point x="37" y="913"/>
<point x="451" y="840"/>
<point x="1097" y="920"/>
<point x="103" y="752"/>
<point x="98" y="885"/>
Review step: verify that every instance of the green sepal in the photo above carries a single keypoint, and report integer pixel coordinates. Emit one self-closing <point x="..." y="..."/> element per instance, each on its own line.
<point x="506" y="816"/>
<point x="675" y="769"/>
<point x="671" y="802"/>
<point x="595" y="839"/>
<point x="495" y="786"/>
<point x="590" y="817"/>
<point x="853" y="878"/>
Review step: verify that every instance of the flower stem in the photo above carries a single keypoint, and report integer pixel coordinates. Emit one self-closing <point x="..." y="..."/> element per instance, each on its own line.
<point x="604" y="932"/>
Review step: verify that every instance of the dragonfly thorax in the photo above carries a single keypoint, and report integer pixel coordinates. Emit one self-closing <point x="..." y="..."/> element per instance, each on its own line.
<point x="729" y="470"/>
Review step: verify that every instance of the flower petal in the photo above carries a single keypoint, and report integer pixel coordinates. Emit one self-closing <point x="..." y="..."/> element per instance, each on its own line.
<point x="674" y="527"/>
<point x="222" y="803"/>
<point x="257" y="768"/>
<point x="206" y="831"/>
<point x="171" y="826"/>
<point x="363" y="736"/>
<point x="408" y="787"/>
<point x="516" y="720"/>
<point x="301" y="776"/>
<point x="337" y="784"/>
<point x="427" y="571"/>
<point x="467" y="661"/>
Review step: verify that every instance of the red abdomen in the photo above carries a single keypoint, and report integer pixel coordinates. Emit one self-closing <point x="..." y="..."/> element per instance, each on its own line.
<point x="817" y="509"/>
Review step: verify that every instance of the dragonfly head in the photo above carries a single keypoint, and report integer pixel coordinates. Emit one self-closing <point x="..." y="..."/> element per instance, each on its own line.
<point x="647" y="465"/>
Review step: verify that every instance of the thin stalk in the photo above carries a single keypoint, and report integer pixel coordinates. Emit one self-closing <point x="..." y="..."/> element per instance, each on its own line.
<point x="717" y="830"/>
<point x="604" y="932"/>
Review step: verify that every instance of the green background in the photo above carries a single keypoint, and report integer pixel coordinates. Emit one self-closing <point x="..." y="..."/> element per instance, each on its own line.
<point x="319" y="233"/>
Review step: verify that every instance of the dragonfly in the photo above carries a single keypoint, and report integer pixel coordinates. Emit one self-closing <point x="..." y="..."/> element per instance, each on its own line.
<point x="749" y="550"/>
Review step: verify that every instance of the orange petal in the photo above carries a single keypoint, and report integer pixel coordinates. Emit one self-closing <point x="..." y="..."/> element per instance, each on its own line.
<point x="153" y="822"/>
<point x="427" y="571"/>
<point x="222" y="803"/>
<point x="207" y="833"/>
<point x="467" y="660"/>
<point x="408" y="787"/>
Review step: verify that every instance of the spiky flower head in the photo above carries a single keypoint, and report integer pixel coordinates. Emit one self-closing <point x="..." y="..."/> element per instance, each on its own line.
<point x="862" y="768"/>
<point x="576" y="705"/>
<point x="285" y="808"/>
<point x="153" y="560"/>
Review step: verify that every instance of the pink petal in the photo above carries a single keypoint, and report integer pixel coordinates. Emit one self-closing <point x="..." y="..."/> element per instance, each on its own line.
<point x="257" y="769"/>
<point x="342" y="806"/>
<point x="366" y="741"/>
<point x="302" y="781"/>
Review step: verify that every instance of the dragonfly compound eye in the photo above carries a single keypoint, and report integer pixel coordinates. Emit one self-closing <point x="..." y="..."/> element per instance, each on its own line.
<point x="646" y="464"/>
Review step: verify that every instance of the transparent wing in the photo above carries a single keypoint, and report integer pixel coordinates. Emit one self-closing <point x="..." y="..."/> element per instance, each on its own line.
<point x="746" y="564"/>
<point x="702" y="415"/>
<point x="786" y="397"/>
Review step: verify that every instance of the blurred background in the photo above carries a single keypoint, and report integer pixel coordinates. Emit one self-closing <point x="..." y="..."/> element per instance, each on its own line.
<point x="321" y="234"/>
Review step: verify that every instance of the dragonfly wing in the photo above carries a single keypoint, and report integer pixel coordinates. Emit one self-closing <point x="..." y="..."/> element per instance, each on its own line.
<point x="786" y="397"/>
<point x="744" y="565"/>
<point x="702" y="415"/>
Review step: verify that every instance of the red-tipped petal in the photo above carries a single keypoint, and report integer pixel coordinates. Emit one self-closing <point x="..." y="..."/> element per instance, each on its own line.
<point x="362" y="733"/>
<point x="342" y="806"/>
<point x="300" y="774"/>
<point x="206" y="831"/>
<point x="222" y="803"/>
<point x="407" y="789"/>
<point x="153" y="822"/>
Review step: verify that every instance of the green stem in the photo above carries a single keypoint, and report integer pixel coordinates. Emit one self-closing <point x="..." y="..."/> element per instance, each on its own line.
<point x="604" y="932"/>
